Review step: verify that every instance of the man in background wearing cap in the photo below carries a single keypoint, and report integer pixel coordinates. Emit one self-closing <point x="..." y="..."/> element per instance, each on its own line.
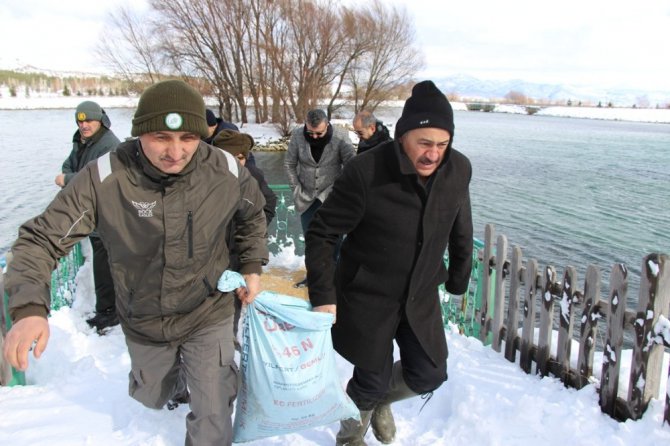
<point x="239" y="145"/>
<point x="315" y="156"/>
<point x="161" y="204"/>
<point x="93" y="139"/>
<point x="401" y="206"/>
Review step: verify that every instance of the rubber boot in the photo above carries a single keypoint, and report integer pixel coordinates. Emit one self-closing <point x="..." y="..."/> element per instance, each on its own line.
<point x="352" y="431"/>
<point x="382" y="422"/>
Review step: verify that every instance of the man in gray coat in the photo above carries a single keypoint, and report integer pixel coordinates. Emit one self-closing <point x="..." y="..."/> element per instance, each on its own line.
<point x="316" y="153"/>
<point x="401" y="205"/>
<point x="93" y="139"/>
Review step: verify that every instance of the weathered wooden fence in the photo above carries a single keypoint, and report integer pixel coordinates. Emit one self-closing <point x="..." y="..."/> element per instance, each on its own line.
<point x="532" y="288"/>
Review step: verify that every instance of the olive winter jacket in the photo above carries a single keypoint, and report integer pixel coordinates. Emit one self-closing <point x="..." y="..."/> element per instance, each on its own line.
<point x="165" y="236"/>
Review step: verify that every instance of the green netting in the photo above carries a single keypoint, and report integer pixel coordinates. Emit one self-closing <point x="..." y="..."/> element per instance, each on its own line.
<point x="63" y="278"/>
<point x="62" y="292"/>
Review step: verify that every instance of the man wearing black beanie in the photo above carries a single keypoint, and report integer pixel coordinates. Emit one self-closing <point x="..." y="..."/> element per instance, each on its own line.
<point x="401" y="206"/>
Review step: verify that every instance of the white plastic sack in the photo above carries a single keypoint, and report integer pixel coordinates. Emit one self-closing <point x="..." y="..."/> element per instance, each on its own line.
<point x="289" y="375"/>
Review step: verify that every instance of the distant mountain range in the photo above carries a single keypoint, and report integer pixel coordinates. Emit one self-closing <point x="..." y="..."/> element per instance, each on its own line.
<point x="470" y="88"/>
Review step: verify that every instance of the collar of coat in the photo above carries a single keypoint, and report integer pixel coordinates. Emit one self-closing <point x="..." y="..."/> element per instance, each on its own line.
<point x="77" y="139"/>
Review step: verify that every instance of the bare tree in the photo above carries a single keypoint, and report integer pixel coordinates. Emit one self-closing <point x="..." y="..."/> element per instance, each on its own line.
<point x="130" y="48"/>
<point x="284" y="55"/>
<point x="390" y="61"/>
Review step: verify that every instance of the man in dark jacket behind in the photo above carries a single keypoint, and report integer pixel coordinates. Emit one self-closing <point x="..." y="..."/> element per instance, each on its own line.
<point x="370" y="131"/>
<point x="161" y="204"/>
<point x="93" y="139"/>
<point x="401" y="206"/>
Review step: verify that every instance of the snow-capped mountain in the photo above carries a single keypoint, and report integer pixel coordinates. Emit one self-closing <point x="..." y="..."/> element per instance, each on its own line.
<point x="472" y="88"/>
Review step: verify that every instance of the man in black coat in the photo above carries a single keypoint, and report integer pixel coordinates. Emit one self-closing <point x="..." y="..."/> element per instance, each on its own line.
<point x="401" y="205"/>
<point x="370" y="131"/>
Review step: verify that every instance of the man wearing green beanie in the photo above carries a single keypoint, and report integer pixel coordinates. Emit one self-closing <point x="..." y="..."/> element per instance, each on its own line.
<point x="161" y="204"/>
<point x="93" y="139"/>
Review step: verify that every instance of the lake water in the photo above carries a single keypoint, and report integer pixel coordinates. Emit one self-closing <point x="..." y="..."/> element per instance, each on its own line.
<point x="567" y="191"/>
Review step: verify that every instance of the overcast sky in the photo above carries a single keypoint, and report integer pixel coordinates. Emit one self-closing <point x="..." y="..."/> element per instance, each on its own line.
<point x="581" y="42"/>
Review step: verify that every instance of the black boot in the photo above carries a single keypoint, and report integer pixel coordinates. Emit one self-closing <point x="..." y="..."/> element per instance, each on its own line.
<point x="382" y="422"/>
<point x="352" y="431"/>
<point x="103" y="320"/>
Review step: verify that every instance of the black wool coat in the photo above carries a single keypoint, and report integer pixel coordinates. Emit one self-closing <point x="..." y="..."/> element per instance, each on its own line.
<point x="392" y="257"/>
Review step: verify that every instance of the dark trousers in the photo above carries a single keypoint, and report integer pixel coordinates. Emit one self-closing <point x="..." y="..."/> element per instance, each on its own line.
<point x="368" y="387"/>
<point x="306" y="218"/>
<point x="102" y="277"/>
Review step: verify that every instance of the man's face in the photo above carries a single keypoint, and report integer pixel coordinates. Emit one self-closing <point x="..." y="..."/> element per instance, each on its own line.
<point x="364" y="132"/>
<point x="169" y="152"/>
<point x="319" y="131"/>
<point x="88" y="128"/>
<point x="425" y="148"/>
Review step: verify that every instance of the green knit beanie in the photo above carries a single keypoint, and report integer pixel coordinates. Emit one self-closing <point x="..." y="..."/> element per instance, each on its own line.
<point x="234" y="142"/>
<point x="170" y="106"/>
<point x="88" y="111"/>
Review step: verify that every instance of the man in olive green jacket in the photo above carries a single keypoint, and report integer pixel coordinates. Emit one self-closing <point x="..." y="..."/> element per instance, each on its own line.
<point x="161" y="204"/>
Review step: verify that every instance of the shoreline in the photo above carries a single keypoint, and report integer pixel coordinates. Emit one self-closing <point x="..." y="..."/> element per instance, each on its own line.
<point x="646" y="115"/>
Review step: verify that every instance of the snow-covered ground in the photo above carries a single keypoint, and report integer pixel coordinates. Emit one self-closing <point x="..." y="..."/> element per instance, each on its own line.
<point x="78" y="390"/>
<point x="78" y="395"/>
<point x="43" y="101"/>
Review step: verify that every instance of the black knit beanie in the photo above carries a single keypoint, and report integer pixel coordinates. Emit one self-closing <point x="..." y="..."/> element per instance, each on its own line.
<point x="211" y="117"/>
<point x="172" y="106"/>
<point x="427" y="107"/>
<point x="234" y="142"/>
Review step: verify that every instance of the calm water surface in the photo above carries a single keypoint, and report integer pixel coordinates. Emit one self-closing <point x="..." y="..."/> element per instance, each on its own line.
<point x="567" y="191"/>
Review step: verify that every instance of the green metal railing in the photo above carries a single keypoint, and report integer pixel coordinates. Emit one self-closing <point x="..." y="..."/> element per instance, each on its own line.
<point x="463" y="311"/>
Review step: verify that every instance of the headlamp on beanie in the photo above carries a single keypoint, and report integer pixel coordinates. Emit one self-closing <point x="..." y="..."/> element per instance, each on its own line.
<point x="172" y="106"/>
<point x="88" y="111"/>
<point x="427" y="107"/>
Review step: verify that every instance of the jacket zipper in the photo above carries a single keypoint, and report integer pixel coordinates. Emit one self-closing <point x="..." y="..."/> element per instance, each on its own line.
<point x="189" y="223"/>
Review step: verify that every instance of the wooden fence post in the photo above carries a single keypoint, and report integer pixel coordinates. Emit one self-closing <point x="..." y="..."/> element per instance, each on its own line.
<point x="528" y="332"/>
<point x="511" y="343"/>
<point x="502" y="270"/>
<point x="609" y="383"/>
<point x="568" y="298"/>
<point x="654" y="301"/>
<point x="546" y="322"/>
<point x="589" y="325"/>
